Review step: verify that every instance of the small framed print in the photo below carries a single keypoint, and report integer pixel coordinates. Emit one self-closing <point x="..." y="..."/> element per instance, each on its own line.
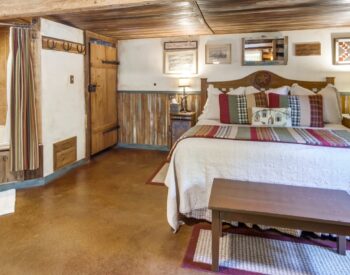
<point x="183" y="62"/>
<point x="218" y="54"/>
<point x="342" y="51"/>
<point x="181" y="45"/>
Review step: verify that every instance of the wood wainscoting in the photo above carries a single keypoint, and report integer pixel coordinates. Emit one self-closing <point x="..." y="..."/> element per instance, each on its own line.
<point x="7" y="176"/>
<point x="144" y="117"/>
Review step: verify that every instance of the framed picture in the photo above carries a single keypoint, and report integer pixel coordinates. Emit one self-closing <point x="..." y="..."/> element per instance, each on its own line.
<point x="342" y="51"/>
<point x="181" y="45"/>
<point x="181" y="62"/>
<point x="218" y="54"/>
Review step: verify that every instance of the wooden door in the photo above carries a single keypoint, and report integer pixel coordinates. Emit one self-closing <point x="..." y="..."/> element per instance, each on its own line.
<point x="103" y="100"/>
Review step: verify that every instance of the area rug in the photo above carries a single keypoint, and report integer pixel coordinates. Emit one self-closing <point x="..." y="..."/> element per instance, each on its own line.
<point x="252" y="251"/>
<point x="158" y="177"/>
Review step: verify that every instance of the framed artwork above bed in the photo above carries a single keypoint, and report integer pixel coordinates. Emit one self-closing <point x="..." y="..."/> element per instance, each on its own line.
<point x="342" y="51"/>
<point x="181" y="62"/>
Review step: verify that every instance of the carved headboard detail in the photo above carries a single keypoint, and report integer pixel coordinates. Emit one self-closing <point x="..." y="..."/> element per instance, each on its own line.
<point x="261" y="80"/>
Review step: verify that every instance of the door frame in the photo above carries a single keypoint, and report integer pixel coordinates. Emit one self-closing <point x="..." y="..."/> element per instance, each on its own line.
<point x="88" y="36"/>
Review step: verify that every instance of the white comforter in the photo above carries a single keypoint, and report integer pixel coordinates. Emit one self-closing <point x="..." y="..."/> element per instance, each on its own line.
<point x="197" y="161"/>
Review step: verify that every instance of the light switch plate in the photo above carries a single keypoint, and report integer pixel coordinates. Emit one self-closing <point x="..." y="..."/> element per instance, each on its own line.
<point x="71" y="79"/>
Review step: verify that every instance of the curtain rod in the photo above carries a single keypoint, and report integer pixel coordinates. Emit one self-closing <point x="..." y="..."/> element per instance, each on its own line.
<point x="16" y="25"/>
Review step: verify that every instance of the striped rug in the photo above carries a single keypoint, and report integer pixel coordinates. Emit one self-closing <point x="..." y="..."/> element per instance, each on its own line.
<point x="252" y="251"/>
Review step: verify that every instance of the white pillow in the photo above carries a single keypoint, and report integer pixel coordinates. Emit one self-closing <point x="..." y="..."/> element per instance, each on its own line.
<point x="251" y="90"/>
<point x="238" y="91"/>
<point x="298" y="90"/>
<point x="211" y="109"/>
<point x="284" y="90"/>
<point x="331" y="105"/>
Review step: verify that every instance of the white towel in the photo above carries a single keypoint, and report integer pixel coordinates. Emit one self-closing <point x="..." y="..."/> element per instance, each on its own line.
<point x="7" y="202"/>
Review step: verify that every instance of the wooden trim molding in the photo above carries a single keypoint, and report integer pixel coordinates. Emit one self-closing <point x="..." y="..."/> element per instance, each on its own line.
<point x="49" y="43"/>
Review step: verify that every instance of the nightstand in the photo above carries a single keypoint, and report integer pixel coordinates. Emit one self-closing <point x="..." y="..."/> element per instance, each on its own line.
<point x="179" y="124"/>
<point x="346" y="120"/>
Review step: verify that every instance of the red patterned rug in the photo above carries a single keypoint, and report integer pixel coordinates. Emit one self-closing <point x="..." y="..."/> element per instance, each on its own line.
<point x="250" y="251"/>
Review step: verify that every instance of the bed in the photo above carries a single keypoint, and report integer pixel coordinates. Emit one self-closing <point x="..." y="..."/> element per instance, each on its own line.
<point x="192" y="168"/>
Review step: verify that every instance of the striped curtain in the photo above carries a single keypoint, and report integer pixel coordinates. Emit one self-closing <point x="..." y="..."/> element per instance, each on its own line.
<point x="24" y="145"/>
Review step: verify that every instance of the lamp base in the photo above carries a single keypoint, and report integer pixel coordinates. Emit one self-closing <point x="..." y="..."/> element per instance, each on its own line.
<point x="184" y="105"/>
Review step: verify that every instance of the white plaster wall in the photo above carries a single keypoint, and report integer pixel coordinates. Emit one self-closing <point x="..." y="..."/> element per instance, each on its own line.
<point x="63" y="104"/>
<point x="142" y="61"/>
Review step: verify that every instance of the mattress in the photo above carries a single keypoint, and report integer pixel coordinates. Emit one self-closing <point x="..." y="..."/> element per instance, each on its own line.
<point x="196" y="162"/>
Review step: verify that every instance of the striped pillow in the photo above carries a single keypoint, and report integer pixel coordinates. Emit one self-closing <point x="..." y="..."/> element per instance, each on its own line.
<point x="237" y="109"/>
<point x="307" y="111"/>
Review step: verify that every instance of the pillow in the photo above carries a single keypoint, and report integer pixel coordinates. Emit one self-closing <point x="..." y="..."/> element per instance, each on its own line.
<point x="284" y="90"/>
<point x="237" y="109"/>
<point x="272" y="117"/>
<point x="307" y="111"/>
<point x="211" y="108"/>
<point x="298" y="90"/>
<point x="238" y="91"/>
<point x="251" y="90"/>
<point x="331" y="102"/>
<point x="332" y="112"/>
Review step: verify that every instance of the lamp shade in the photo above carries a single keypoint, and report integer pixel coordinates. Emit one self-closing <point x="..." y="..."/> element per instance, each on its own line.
<point x="184" y="82"/>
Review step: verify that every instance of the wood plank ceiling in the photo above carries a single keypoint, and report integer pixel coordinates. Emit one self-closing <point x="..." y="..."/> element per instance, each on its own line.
<point x="211" y="17"/>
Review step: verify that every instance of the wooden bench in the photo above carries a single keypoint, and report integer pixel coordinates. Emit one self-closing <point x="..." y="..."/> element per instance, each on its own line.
<point x="304" y="208"/>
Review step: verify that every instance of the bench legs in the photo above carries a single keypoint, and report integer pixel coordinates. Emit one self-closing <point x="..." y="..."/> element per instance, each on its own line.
<point x="341" y="245"/>
<point x="216" y="231"/>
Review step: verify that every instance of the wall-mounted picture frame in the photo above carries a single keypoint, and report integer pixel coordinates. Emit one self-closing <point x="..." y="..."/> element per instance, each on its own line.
<point x="181" y="45"/>
<point x="218" y="54"/>
<point x="341" y="50"/>
<point x="184" y="62"/>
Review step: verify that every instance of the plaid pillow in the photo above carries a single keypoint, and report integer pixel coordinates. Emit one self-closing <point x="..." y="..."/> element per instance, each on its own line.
<point x="307" y="111"/>
<point x="237" y="109"/>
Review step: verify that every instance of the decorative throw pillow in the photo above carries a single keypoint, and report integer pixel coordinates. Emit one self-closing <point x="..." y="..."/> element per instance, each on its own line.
<point x="272" y="117"/>
<point x="307" y="111"/>
<point x="211" y="109"/>
<point x="237" y="109"/>
<point x="331" y="102"/>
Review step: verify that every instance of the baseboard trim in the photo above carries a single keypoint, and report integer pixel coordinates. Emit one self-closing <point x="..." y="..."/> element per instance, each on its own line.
<point x="143" y="147"/>
<point x="44" y="180"/>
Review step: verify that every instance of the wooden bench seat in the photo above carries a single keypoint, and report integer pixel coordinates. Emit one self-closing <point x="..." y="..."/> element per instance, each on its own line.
<point x="304" y="208"/>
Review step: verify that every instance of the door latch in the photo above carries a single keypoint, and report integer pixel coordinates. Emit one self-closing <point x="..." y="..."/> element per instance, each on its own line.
<point x="92" y="88"/>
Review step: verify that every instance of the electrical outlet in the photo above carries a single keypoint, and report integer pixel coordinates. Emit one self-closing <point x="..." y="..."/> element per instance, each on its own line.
<point x="71" y="79"/>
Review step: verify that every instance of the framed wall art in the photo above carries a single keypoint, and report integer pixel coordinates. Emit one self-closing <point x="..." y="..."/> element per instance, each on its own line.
<point x="181" y="62"/>
<point x="181" y="45"/>
<point x="342" y="51"/>
<point x="218" y="54"/>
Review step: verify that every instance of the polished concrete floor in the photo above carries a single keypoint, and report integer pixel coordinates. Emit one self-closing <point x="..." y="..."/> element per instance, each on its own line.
<point x="99" y="219"/>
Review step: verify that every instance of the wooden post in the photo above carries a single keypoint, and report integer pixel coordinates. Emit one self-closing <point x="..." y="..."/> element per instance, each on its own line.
<point x="204" y="92"/>
<point x="216" y="233"/>
<point x="330" y="80"/>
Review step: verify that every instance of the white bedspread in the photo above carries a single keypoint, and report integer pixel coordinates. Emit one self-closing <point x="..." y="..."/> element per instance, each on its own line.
<point x="197" y="161"/>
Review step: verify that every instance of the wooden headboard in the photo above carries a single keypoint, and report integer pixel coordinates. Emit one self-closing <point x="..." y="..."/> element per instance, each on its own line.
<point x="262" y="80"/>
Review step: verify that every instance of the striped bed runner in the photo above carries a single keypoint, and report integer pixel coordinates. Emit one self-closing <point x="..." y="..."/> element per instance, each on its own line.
<point x="305" y="136"/>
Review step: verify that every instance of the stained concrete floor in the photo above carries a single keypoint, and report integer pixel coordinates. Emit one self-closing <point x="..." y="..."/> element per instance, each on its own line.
<point x="99" y="219"/>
